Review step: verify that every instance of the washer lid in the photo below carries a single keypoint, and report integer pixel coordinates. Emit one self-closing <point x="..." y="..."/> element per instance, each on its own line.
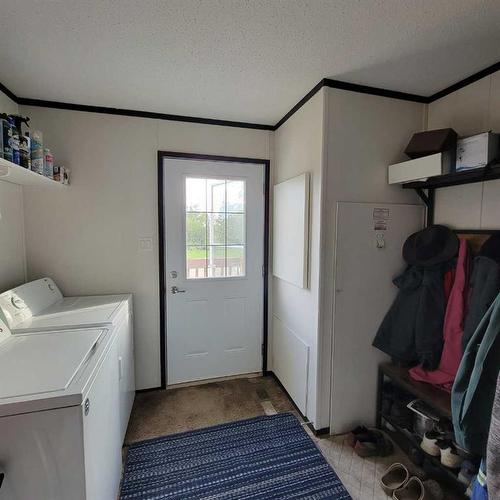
<point x="34" y="366"/>
<point x="72" y="312"/>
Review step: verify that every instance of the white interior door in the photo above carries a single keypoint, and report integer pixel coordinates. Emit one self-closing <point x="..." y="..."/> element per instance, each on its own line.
<point x="214" y="241"/>
<point x="368" y="256"/>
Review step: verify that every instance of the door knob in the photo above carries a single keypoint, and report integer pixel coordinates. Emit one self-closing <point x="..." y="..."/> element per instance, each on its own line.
<point x="176" y="289"/>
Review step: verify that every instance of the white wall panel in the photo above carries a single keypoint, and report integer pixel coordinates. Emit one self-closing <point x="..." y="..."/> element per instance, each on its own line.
<point x="490" y="214"/>
<point x="291" y="366"/>
<point x="459" y="206"/>
<point x="298" y="148"/>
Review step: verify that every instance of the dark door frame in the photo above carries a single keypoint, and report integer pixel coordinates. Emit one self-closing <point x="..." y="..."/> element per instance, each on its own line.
<point x="161" y="246"/>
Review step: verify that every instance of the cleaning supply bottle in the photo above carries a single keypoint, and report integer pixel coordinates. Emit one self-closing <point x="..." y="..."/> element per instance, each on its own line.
<point x="25" y="150"/>
<point x="14" y="141"/>
<point x="17" y="133"/>
<point x="48" y="163"/>
<point x="6" y="137"/>
<point x="37" y="152"/>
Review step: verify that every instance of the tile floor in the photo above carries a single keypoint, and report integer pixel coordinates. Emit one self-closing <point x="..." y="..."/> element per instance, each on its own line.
<point x="159" y="413"/>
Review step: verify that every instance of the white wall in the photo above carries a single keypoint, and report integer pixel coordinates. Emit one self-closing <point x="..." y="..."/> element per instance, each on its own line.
<point x="298" y="148"/>
<point x="471" y="110"/>
<point x="86" y="235"/>
<point x="12" y="254"/>
<point x="365" y="133"/>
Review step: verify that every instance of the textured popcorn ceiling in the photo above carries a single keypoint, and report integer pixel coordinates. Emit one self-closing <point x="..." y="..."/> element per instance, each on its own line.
<point x="247" y="60"/>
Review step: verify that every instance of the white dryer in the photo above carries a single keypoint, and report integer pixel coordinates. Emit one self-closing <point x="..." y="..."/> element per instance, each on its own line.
<point x="58" y="411"/>
<point x="39" y="306"/>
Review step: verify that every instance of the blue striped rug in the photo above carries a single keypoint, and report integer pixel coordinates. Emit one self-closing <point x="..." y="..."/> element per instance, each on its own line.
<point x="267" y="457"/>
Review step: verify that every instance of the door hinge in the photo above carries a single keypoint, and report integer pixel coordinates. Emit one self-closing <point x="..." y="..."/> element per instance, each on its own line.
<point x="264" y="272"/>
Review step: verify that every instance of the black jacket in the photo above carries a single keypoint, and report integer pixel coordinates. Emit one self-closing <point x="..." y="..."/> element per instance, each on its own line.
<point x="412" y="330"/>
<point x="484" y="288"/>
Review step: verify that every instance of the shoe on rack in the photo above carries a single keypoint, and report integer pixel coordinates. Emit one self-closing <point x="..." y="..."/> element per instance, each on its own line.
<point x="374" y="444"/>
<point x="429" y="443"/>
<point x="355" y="434"/>
<point x="449" y="455"/>
<point x="394" y="478"/>
<point x="467" y="472"/>
<point x="415" y="489"/>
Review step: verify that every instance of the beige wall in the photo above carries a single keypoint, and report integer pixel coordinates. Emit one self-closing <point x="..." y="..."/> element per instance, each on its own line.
<point x="12" y="254"/>
<point x="7" y="105"/>
<point x="298" y="148"/>
<point x="86" y="235"/>
<point x="365" y="133"/>
<point x="471" y="110"/>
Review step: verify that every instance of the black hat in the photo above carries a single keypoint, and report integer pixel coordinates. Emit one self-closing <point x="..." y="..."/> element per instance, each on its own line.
<point x="433" y="245"/>
<point x="491" y="248"/>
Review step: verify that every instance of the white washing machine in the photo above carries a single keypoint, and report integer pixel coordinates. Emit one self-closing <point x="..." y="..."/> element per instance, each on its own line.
<point x="58" y="411"/>
<point x="39" y="306"/>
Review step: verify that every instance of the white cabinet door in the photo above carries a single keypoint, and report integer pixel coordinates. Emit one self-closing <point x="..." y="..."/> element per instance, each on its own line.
<point x="214" y="213"/>
<point x="368" y="256"/>
<point x="101" y="431"/>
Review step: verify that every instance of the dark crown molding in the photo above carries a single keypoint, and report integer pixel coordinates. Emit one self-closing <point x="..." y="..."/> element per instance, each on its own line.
<point x="326" y="82"/>
<point x="139" y="114"/>
<point x="9" y="93"/>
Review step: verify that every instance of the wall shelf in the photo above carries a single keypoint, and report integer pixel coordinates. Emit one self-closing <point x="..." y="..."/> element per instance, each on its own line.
<point x="488" y="173"/>
<point x="15" y="174"/>
<point x="457" y="178"/>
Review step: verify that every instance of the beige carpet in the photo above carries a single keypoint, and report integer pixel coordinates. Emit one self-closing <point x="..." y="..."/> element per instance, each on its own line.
<point x="158" y="413"/>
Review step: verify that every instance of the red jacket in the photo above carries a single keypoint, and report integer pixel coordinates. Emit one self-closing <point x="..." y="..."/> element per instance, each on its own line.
<point x="453" y="328"/>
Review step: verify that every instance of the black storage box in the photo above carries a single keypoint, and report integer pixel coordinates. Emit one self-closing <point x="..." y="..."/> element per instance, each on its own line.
<point x="432" y="142"/>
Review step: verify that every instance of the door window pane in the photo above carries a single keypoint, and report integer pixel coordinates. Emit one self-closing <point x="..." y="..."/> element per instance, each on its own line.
<point x="235" y="196"/>
<point x="196" y="262"/>
<point x="196" y="228"/>
<point x="216" y="195"/>
<point x="216" y="261"/>
<point x="215" y="228"/>
<point x="216" y="234"/>
<point x="235" y="229"/>
<point x="235" y="261"/>
<point x="196" y="195"/>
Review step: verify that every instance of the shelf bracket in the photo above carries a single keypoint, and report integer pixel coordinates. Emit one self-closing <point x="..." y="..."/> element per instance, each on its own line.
<point x="428" y="199"/>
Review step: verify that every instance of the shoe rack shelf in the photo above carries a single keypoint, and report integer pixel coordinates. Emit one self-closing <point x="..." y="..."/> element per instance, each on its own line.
<point x="439" y="400"/>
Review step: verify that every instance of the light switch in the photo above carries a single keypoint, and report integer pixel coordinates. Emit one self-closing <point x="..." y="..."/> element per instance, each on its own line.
<point x="145" y="244"/>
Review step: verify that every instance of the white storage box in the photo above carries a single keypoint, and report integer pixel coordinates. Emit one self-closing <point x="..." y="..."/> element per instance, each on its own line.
<point x="420" y="169"/>
<point x="477" y="151"/>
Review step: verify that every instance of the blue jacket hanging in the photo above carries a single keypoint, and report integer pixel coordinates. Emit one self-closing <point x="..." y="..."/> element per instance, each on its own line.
<point x="474" y="388"/>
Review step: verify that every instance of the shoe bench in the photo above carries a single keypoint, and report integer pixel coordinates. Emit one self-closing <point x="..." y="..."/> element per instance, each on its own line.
<point x="437" y="399"/>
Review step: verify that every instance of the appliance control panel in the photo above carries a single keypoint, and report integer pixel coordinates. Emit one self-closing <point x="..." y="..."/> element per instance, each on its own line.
<point x="23" y="302"/>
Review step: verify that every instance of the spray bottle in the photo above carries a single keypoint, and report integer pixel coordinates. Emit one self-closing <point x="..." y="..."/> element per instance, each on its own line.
<point x="17" y="133"/>
<point x="5" y="137"/>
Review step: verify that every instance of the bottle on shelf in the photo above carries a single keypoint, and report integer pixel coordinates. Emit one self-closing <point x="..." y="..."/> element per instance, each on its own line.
<point x="37" y="152"/>
<point x="48" y="163"/>
<point x="14" y="141"/>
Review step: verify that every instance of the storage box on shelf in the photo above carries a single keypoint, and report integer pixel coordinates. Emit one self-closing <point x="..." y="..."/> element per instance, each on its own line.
<point x="420" y="169"/>
<point x="10" y="172"/>
<point x="437" y="399"/>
